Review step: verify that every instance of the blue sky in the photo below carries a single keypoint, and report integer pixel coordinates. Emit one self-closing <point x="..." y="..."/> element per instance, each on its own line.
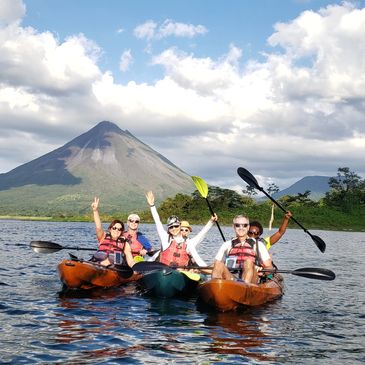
<point x="247" y="24"/>
<point x="273" y="86"/>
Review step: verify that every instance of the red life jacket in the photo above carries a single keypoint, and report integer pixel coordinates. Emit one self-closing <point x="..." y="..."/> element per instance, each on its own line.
<point x="136" y="246"/>
<point x="242" y="253"/>
<point x="175" y="254"/>
<point x="110" y="245"/>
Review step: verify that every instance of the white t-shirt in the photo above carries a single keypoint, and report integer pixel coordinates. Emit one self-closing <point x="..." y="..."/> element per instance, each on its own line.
<point x="223" y="251"/>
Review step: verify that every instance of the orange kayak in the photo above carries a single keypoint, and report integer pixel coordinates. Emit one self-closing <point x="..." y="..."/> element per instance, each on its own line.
<point x="76" y="274"/>
<point x="227" y="295"/>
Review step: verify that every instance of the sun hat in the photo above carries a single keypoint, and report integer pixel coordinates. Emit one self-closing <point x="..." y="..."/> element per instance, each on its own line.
<point x="134" y="217"/>
<point x="173" y="219"/>
<point x="186" y="224"/>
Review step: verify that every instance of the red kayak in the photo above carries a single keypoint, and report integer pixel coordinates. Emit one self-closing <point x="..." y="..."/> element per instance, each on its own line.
<point x="78" y="274"/>
<point x="227" y="295"/>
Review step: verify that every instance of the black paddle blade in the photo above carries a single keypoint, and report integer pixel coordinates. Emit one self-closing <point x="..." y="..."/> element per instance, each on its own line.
<point x="45" y="246"/>
<point x="315" y="273"/>
<point x="145" y="266"/>
<point x="248" y="177"/>
<point x="124" y="271"/>
<point x="319" y="242"/>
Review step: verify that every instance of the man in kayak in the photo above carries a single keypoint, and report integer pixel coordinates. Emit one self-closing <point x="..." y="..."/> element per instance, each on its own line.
<point x="175" y="249"/>
<point x="256" y="231"/>
<point x="113" y="247"/>
<point x="139" y="243"/>
<point x="241" y="252"/>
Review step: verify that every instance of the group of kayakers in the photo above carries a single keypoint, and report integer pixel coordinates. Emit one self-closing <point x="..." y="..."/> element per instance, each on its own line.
<point x="247" y="251"/>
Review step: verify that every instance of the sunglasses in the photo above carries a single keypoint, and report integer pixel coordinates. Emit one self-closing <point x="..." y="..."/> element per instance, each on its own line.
<point x="117" y="229"/>
<point x="132" y="221"/>
<point x="184" y="230"/>
<point x="238" y="225"/>
<point x="254" y="233"/>
<point x="175" y="226"/>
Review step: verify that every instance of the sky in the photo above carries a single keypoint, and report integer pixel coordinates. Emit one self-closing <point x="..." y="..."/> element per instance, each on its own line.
<point x="276" y="87"/>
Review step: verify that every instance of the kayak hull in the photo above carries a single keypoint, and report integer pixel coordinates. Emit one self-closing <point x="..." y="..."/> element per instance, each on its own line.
<point x="229" y="295"/>
<point x="167" y="283"/>
<point x="87" y="275"/>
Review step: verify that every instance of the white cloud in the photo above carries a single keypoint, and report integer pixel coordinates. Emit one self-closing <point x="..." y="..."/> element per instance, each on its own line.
<point x="151" y="30"/>
<point x="170" y="28"/>
<point x="11" y="11"/>
<point x="300" y="112"/>
<point x="146" y="30"/>
<point x="125" y="60"/>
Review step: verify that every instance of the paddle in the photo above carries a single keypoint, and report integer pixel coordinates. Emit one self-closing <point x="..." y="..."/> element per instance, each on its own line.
<point x="51" y="247"/>
<point x="307" y="272"/>
<point x="202" y="187"/>
<point x="148" y="266"/>
<point x="251" y="180"/>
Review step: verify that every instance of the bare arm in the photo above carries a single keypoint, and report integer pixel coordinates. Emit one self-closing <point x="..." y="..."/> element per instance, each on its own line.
<point x="284" y="224"/>
<point x="128" y="255"/>
<point x="98" y="226"/>
<point x="201" y="235"/>
<point x="160" y="229"/>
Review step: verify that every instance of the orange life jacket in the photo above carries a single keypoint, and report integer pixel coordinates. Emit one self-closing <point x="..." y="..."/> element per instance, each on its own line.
<point x="175" y="254"/>
<point x="110" y="245"/>
<point x="242" y="252"/>
<point x="136" y="246"/>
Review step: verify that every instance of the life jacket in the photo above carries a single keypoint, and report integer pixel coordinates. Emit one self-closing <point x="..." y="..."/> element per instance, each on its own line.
<point x="110" y="245"/>
<point x="136" y="246"/>
<point x="242" y="252"/>
<point x="175" y="254"/>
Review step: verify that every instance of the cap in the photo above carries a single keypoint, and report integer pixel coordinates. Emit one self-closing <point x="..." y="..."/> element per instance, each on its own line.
<point x="186" y="225"/>
<point x="173" y="219"/>
<point x="134" y="217"/>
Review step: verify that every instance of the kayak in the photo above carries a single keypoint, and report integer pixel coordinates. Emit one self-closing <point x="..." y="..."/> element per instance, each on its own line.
<point x="227" y="295"/>
<point x="169" y="283"/>
<point x="79" y="274"/>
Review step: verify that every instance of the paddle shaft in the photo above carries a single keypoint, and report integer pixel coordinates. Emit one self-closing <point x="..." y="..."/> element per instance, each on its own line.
<point x="216" y="222"/>
<point x="251" y="180"/>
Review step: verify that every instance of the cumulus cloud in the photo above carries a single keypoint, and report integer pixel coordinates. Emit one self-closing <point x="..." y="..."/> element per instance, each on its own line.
<point x="125" y="60"/>
<point x="151" y="30"/>
<point x="11" y="11"/>
<point x="299" y="112"/>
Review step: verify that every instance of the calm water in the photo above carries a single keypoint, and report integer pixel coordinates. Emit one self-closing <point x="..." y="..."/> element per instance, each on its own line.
<point x="316" y="322"/>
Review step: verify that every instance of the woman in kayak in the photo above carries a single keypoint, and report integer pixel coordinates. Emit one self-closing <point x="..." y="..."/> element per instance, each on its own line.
<point x="186" y="229"/>
<point x="113" y="248"/>
<point x="175" y="249"/>
<point x="241" y="252"/>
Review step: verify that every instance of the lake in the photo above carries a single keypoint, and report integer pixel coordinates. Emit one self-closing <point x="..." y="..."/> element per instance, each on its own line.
<point x="315" y="322"/>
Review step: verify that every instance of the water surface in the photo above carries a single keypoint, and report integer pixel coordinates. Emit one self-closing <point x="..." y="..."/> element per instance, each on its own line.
<point x="316" y="322"/>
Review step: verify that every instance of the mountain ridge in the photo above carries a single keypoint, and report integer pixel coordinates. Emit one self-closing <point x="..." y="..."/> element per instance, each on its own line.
<point x="104" y="161"/>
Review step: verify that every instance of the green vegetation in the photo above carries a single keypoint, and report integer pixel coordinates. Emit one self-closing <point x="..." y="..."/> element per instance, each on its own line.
<point x="343" y="208"/>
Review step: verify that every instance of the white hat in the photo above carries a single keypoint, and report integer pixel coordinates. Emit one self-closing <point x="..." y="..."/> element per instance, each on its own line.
<point x="134" y="217"/>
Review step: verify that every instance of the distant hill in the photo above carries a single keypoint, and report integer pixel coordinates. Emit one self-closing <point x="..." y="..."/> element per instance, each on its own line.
<point x="106" y="162"/>
<point x="318" y="186"/>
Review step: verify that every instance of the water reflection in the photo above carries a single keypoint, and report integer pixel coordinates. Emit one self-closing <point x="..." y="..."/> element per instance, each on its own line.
<point x="240" y="333"/>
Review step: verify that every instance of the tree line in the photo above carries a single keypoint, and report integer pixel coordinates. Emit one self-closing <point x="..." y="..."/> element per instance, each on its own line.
<point x="342" y="207"/>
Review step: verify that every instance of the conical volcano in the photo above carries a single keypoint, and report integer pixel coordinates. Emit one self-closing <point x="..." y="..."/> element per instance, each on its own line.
<point x="106" y="162"/>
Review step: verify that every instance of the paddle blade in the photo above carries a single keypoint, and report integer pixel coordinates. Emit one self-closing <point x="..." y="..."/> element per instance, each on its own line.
<point x="315" y="273"/>
<point x="45" y="246"/>
<point x="145" y="266"/>
<point x="201" y="186"/>
<point x="319" y="242"/>
<point x="248" y="177"/>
